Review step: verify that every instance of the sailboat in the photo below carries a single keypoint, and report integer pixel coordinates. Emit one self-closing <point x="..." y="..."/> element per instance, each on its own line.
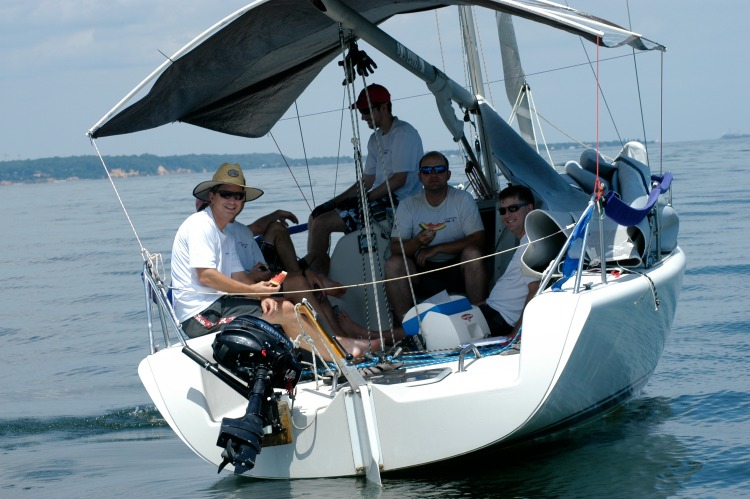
<point x="603" y="242"/>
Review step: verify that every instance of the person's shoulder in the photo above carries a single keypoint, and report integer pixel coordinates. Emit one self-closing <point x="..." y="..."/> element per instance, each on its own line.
<point x="401" y="125"/>
<point x="412" y="199"/>
<point x="459" y="193"/>
<point x="195" y="219"/>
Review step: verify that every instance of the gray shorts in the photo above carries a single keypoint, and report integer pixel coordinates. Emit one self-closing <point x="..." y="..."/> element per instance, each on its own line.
<point x="221" y="312"/>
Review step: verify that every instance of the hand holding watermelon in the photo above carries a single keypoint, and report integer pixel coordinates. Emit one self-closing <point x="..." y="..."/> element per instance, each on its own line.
<point x="433" y="227"/>
<point x="278" y="279"/>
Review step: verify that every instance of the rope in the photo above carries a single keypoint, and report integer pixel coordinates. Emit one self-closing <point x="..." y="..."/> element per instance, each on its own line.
<point x="383" y="281"/>
<point x="304" y="153"/>
<point x="638" y="85"/>
<point x="144" y="253"/>
<point x="481" y="51"/>
<point x="299" y="187"/>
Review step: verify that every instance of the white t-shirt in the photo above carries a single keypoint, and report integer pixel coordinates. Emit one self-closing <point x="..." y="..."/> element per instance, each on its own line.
<point x="401" y="150"/>
<point x="458" y="211"/>
<point x="509" y="293"/>
<point x="248" y="250"/>
<point x="199" y="244"/>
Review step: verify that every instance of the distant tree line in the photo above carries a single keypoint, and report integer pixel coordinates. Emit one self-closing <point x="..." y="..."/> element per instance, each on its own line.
<point x="90" y="167"/>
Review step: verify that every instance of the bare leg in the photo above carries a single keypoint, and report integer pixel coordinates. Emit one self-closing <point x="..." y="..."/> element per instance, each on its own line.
<point x="320" y="229"/>
<point x="354" y="329"/>
<point x="278" y="235"/>
<point x="474" y="274"/>
<point x="296" y="282"/>
<point x="286" y="317"/>
<point x="398" y="292"/>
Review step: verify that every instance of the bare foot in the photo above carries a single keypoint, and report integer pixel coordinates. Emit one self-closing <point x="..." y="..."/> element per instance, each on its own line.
<point x="358" y="347"/>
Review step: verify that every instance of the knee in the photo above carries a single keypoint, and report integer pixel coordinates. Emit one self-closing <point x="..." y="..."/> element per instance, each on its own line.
<point x="273" y="231"/>
<point x="471" y="253"/>
<point x="394" y="266"/>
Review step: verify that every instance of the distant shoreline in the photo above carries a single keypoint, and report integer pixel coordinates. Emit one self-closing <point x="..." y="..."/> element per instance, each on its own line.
<point x="65" y="169"/>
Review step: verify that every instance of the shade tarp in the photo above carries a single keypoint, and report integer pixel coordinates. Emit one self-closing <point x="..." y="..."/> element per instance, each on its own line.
<point x="242" y="75"/>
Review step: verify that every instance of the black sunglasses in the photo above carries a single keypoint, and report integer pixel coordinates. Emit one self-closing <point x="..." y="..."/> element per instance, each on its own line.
<point x="512" y="208"/>
<point x="426" y="170"/>
<point x="238" y="196"/>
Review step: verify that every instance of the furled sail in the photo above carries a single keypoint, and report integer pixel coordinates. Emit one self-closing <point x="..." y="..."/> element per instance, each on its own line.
<point x="515" y="79"/>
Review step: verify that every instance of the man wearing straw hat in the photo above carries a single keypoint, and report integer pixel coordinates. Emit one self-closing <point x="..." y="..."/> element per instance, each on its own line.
<point x="207" y="275"/>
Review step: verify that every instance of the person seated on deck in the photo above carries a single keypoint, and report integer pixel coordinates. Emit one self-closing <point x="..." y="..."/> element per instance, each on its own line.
<point x="393" y="153"/>
<point x="440" y="226"/>
<point x="274" y="250"/>
<point x="504" y="307"/>
<point x="205" y="264"/>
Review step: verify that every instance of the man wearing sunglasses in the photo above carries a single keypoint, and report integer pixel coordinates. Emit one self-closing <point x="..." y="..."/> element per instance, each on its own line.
<point x="438" y="227"/>
<point x="393" y="153"/>
<point x="513" y="290"/>
<point x="209" y="279"/>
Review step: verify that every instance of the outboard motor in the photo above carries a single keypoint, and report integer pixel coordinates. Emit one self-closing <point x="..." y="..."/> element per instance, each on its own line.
<point x="261" y="355"/>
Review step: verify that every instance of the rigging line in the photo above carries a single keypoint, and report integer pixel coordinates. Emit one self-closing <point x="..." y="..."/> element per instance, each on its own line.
<point x="493" y="82"/>
<point x="366" y="222"/>
<point x="144" y="252"/>
<point x="338" y="150"/>
<point x="288" y="167"/>
<point x="661" y="117"/>
<point x="440" y="39"/>
<point x="638" y="86"/>
<point x="304" y="153"/>
<point x="481" y="50"/>
<point x="574" y="139"/>
<point x="599" y="90"/>
<point x="384" y="281"/>
<point x="598" y="93"/>
<point x="598" y="85"/>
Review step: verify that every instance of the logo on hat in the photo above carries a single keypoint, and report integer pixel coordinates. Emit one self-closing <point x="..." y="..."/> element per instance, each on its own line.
<point x="226" y="174"/>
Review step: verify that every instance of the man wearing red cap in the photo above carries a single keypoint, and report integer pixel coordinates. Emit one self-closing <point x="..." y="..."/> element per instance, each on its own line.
<point x="393" y="153"/>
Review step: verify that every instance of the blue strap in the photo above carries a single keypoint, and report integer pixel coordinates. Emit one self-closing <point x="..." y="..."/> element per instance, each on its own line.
<point x="625" y="215"/>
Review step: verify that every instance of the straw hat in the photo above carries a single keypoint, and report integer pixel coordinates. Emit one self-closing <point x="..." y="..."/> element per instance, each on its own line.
<point x="226" y="174"/>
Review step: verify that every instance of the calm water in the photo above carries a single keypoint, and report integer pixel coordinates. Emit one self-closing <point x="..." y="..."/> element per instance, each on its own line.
<point x="75" y="421"/>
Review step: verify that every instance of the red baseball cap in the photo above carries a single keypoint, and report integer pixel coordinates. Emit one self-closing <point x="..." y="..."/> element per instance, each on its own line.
<point x="378" y="95"/>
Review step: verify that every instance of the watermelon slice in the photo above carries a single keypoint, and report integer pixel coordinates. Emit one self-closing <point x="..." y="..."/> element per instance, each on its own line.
<point x="278" y="278"/>
<point x="429" y="226"/>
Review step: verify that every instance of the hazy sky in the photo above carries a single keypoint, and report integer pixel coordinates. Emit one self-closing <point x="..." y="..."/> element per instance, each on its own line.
<point x="64" y="64"/>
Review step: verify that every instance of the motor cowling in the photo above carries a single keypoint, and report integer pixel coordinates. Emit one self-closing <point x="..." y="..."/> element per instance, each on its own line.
<point x="263" y="356"/>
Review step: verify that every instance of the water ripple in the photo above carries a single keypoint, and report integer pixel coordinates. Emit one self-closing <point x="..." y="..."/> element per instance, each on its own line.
<point x="17" y="432"/>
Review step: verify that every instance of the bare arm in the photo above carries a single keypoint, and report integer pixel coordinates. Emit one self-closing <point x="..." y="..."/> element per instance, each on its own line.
<point x="413" y="245"/>
<point x="452" y="247"/>
<point x="240" y="282"/>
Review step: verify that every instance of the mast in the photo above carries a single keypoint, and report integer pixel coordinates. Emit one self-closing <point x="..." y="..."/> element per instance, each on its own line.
<point x="466" y="17"/>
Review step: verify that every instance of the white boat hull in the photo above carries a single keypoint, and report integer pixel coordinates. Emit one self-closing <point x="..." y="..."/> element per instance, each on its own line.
<point x="580" y="355"/>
